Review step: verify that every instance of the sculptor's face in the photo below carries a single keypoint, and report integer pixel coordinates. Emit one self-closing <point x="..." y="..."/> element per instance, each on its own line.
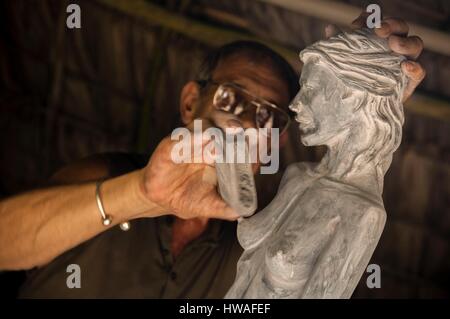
<point x="322" y="113"/>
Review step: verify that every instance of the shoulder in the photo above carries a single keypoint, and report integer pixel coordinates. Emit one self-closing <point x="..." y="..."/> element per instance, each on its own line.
<point x="99" y="166"/>
<point x="297" y="169"/>
<point x="351" y="195"/>
<point x="358" y="208"/>
<point x="300" y="168"/>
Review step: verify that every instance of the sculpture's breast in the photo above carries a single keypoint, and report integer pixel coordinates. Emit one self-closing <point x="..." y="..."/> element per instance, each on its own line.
<point x="323" y="225"/>
<point x="291" y="256"/>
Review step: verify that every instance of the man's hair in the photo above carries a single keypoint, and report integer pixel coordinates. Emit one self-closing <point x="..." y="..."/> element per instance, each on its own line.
<point x="253" y="51"/>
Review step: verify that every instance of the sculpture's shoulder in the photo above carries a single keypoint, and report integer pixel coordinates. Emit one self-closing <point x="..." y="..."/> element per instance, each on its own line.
<point x="299" y="169"/>
<point x="368" y="210"/>
<point x="355" y="207"/>
<point x="352" y="196"/>
<point x="363" y="222"/>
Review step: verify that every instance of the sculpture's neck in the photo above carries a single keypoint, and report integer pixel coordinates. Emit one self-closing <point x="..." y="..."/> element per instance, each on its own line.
<point x="338" y="163"/>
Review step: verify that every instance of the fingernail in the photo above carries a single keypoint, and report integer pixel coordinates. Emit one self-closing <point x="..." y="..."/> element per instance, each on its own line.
<point x="409" y="66"/>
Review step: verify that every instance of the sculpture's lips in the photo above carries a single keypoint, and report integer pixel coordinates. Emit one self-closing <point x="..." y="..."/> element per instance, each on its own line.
<point x="307" y="125"/>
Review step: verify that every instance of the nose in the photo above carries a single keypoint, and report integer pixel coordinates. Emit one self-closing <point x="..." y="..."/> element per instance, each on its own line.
<point x="296" y="105"/>
<point x="248" y="119"/>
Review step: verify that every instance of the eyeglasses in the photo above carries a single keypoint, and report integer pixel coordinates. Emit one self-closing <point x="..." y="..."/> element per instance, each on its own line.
<point x="230" y="97"/>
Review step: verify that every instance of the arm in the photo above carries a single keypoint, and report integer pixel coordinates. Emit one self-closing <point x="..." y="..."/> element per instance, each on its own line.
<point x="37" y="226"/>
<point x="340" y="267"/>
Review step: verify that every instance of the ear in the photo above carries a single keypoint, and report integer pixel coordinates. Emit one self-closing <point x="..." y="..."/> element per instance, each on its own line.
<point x="189" y="98"/>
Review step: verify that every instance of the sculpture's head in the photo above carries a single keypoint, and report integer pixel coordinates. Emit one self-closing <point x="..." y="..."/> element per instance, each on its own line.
<point x="351" y="88"/>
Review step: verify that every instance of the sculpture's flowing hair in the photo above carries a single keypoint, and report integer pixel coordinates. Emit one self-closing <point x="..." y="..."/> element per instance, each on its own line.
<point x="364" y="62"/>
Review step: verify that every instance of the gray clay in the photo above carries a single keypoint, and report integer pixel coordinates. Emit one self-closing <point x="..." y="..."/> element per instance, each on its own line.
<point x="315" y="239"/>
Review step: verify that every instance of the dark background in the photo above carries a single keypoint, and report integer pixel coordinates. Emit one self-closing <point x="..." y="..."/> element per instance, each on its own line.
<point x="114" y="84"/>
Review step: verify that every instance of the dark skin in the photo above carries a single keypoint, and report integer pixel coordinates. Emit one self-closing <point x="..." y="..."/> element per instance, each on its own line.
<point x="38" y="226"/>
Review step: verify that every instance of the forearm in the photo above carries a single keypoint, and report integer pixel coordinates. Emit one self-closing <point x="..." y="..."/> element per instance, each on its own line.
<point x="38" y="226"/>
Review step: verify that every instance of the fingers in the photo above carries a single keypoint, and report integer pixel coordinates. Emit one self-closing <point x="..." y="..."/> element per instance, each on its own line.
<point x="415" y="73"/>
<point x="390" y="26"/>
<point x="205" y="200"/>
<point x="360" y="21"/>
<point x="411" y="47"/>
<point x="209" y="176"/>
<point x="396" y="30"/>
<point x="202" y="142"/>
<point x="331" y="30"/>
<point x="217" y="208"/>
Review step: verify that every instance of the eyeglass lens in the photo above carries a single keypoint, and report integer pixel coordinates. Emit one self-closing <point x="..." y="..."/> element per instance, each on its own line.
<point x="229" y="99"/>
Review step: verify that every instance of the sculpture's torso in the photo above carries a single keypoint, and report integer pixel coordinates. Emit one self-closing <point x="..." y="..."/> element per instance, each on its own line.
<point x="304" y="250"/>
<point x="317" y="236"/>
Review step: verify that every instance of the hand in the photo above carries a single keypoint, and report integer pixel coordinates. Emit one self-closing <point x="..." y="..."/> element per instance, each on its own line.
<point x="188" y="190"/>
<point x="396" y="31"/>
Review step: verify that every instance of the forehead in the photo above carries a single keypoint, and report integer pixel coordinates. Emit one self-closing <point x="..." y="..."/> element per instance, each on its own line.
<point x="315" y="72"/>
<point x="258" y="78"/>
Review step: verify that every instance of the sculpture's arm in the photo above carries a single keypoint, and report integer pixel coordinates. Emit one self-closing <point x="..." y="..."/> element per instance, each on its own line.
<point x="253" y="230"/>
<point x="338" y="270"/>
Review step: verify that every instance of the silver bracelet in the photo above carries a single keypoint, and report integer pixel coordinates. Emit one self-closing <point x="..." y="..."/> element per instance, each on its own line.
<point x="106" y="219"/>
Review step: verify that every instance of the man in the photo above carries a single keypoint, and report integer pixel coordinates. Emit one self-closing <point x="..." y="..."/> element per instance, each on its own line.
<point x="182" y="248"/>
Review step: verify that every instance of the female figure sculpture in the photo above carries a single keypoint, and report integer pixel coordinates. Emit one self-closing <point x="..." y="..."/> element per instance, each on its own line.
<point x="315" y="239"/>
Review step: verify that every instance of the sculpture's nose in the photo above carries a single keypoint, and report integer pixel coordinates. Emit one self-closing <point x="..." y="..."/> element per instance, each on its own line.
<point x="295" y="105"/>
<point x="292" y="106"/>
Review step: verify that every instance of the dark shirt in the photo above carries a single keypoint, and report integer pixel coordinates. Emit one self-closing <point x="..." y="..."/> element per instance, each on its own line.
<point x="139" y="264"/>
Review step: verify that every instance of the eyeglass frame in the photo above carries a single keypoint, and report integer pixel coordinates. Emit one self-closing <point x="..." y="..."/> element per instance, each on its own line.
<point x="204" y="83"/>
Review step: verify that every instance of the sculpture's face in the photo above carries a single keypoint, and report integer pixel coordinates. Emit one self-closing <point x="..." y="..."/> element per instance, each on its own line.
<point x="322" y="113"/>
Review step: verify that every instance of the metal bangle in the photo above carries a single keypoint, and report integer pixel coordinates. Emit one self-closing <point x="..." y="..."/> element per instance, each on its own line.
<point x="106" y="219"/>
